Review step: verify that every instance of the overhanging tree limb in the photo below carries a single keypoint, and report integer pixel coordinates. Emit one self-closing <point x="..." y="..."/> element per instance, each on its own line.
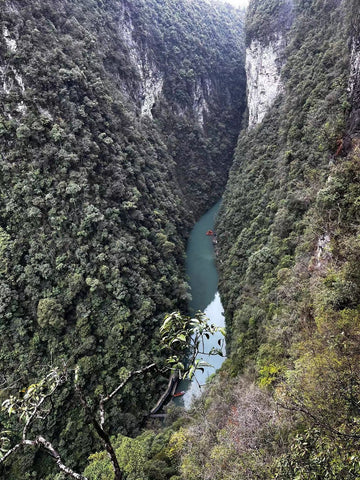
<point x="30" y="408"/>
<point x="104" y="400"/>
<point x="48" y="447"/>
<point x="181" y="332"/>
<point x="99" y="425"/>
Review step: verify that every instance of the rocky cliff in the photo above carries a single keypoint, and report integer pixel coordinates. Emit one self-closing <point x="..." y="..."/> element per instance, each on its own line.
<point x="354" y="79"/>
<point x="263" y="68"/>
<point x="195" y="98"/>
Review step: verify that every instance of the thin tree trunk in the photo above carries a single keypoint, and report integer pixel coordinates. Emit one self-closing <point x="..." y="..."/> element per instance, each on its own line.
<point x="109" y="448"/>
<point x="99" y="426"/>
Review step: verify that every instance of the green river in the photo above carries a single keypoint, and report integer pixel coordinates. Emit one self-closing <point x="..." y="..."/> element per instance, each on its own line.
<point x="203" y="280"/>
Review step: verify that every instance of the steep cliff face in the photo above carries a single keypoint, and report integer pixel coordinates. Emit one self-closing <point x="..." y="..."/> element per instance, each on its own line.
<point x="287" y="241"/>
<point x="263" y="67"/>
<point x="11" y="79"/>
<point x="194" y="96"/>
<point x="354" y="80"/>
<point x="260" y="222"/>
<point x="148" y="80"/>
<point x="267" y="26"/>
<point x="202" y="101"/>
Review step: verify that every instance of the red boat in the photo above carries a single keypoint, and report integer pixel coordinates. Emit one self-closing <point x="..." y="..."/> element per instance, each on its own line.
<point x="179" y="394"/>
<point x="209" y="233"/>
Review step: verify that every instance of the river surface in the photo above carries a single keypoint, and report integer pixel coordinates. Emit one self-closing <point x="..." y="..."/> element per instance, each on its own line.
<point x="203" y="280"/>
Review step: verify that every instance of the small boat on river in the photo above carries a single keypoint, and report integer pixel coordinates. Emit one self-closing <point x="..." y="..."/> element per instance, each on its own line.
<point x="179" y="394"/>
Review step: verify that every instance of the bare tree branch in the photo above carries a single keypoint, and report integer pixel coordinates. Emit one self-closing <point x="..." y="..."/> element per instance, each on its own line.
<point x="104" y="400"/>
<point x="102" y="434"/>
<point x="58" y="381"/>
<point x="10" y="452"/>
<point x="48" y="447"/>
<point x="53" y="380"/>
<point x="99" y="425"/>
<point x="127" y="379"/>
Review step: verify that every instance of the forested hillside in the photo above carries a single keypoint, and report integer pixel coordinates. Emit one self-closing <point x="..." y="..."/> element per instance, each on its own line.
<point x="286" y="403"/>
<point x="117" y="125"/>
<point x="289" y="263"/>
<point x="118" y="122"/>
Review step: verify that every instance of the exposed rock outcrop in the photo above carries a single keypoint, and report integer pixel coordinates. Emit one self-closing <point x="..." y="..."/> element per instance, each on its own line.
<point x="202" y="92"/>
<point x="354" y="86"/>
<point x="9" y="75"/>
<point x="263" y="66"/>
<point x="151" y="78"/>
<point x="10" y="42"/>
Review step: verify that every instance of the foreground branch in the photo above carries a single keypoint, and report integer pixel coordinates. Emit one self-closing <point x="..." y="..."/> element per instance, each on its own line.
<point x="48" y="447"/>
<point x="104" y="400"/>
<point x="59" y="379"/>
<point x="99" y="425"/>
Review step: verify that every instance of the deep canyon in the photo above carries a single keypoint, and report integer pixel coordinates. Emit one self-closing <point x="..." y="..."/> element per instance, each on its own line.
<point x="121" y="123"/>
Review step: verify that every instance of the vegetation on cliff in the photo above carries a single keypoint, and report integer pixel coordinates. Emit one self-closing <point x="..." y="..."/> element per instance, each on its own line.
<point x="289" y="258"/>
<point x="286" y="404"/>
<point x="200" y="47"/>
<point x="92" y="216"/>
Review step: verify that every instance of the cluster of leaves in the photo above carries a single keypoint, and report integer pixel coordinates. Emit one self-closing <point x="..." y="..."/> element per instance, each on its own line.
<point x="92" y="219"/>
<point x="186" y="336"/>
<point x="25" y="406"/>
<point x="312" y="455"/>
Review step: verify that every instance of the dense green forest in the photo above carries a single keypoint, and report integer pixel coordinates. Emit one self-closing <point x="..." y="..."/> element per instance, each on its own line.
<point x="289" y="264"/>
<point x="118" y="124"/>
<point x="102" y="174"/>
<point x="286" y="403"/>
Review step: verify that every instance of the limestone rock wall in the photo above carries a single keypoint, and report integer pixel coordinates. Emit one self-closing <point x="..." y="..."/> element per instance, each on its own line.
<point x="263" y="67"/>
<point x="354" y="86"/>
<point x="151" y="79"/>
<point x="10" y="78"/>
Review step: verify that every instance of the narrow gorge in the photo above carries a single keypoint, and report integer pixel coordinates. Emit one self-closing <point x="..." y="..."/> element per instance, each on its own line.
<point x="122" y="124"/>
<point x="117" y="124"/>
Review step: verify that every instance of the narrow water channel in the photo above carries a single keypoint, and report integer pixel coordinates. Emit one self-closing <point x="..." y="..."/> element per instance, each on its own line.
<point x="203" y="280"/>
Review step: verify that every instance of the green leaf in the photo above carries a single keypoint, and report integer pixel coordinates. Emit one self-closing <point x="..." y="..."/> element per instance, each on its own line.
<point x="166" y="325"/>
<point x="202" y="363"/>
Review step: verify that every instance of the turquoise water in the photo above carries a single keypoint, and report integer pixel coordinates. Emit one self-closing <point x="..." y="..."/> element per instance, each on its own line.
<point x="203" y="281"/>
